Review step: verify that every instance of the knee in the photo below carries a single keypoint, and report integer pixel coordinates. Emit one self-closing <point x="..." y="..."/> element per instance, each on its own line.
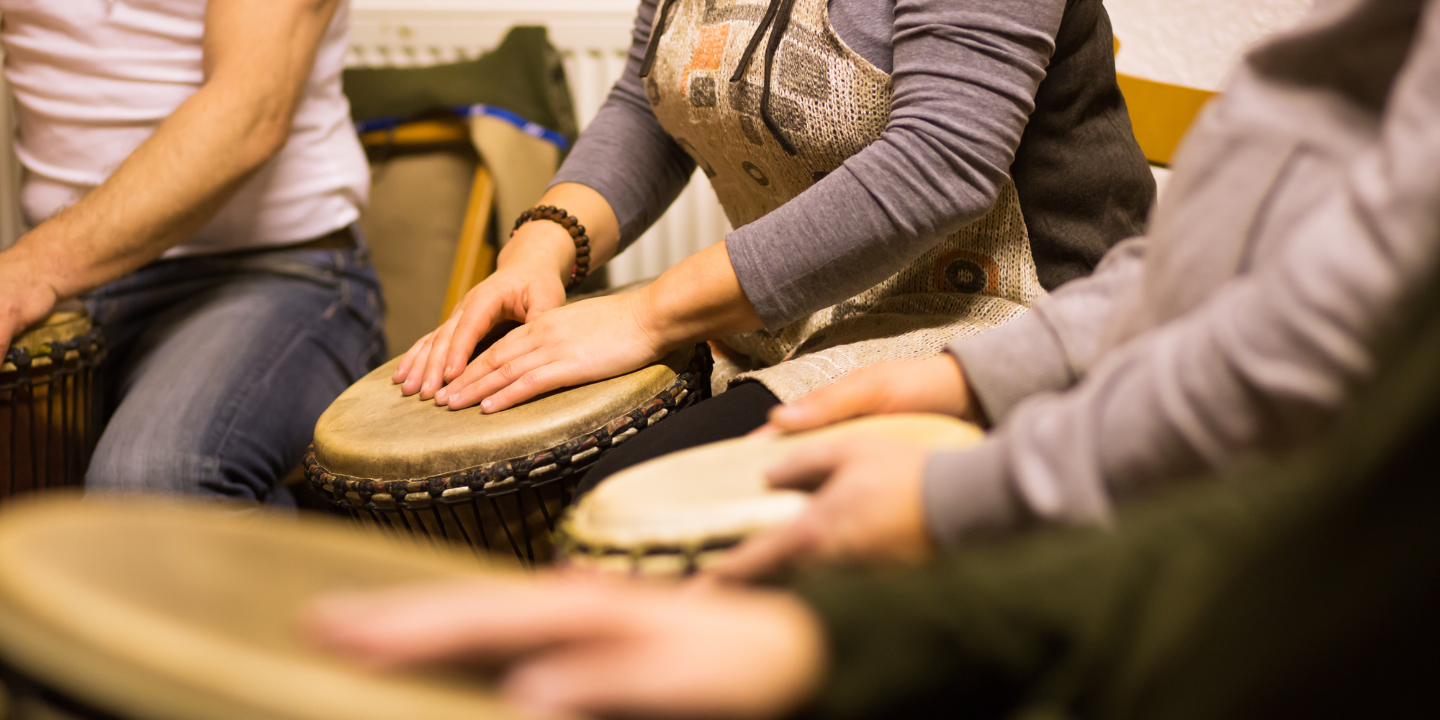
<point x="135" y="463"/>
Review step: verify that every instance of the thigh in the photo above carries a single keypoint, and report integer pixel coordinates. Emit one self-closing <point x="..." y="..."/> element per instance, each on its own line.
<point x="220" y="393"/>
<point x="728" y="415"/>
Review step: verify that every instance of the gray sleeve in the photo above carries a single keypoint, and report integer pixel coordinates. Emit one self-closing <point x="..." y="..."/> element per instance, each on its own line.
<point x="965" y="78"/>
<point x="1050" y="348"/>
<point x="624" y="154"/>
<point x="1264" y="361"/>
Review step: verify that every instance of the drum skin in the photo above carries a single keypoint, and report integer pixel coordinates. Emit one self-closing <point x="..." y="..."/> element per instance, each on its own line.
<point x="180" y="612"/>
<point x="670" y="515"/>
<point x="497" y="482"/>
<point x="373" y="431"/>
<point x="50" y="412"/>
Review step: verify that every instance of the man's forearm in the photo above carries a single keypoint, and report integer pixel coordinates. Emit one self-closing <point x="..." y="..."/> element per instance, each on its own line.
<point x="194" y="162"/>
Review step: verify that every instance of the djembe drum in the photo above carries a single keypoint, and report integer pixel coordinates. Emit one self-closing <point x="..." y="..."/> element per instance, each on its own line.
<point x="50" y="404"/>
<point x="497" y="482"/>
<point x="150" y="611"/>
<point x="671" y="515"/>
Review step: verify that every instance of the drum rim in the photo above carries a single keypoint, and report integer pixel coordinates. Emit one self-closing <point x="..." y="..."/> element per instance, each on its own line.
<point x="507" y="476"/>
<point x="89" y="344"/>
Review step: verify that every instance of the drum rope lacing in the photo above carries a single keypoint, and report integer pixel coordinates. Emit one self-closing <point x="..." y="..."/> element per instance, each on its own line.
<point x="504" y="477"/>
<point x="87" y="345"/>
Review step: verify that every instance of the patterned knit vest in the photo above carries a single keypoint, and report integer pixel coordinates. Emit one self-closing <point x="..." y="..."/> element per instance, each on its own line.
<point x="827" y="103"/>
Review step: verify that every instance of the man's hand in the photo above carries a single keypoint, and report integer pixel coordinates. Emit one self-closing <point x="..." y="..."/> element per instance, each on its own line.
<point x="587" y="645"/>
<point x="26" y="296"/>
<point x="932" y="385"/>
<point x="868" y="507"/>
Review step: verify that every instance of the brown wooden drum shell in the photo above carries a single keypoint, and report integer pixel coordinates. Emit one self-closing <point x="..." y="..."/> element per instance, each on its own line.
<point x="50" y="415"/>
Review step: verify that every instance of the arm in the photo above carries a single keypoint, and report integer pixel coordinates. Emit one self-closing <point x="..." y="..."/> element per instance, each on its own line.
<point x="1267" y="359"/>
<point x="965" y="79"/>
<point x="256" y="67"/>
<point x="965" y="83"/>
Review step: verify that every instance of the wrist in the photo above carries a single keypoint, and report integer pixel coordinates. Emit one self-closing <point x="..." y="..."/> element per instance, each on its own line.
<point x="46" y="273"/>
<point x="543" y="244"/>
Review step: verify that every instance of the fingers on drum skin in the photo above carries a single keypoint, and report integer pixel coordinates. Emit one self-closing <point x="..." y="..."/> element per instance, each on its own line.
<point x="766" y="553"/>
<point x="535" y="382"/>
<point x="416" y="373"/>
<point x="491" y="379"/>
<point x="471" y="325"/>
<point x="402" y="371"/>
<point x="808" y="467"/>
<point x="435" y="363"/>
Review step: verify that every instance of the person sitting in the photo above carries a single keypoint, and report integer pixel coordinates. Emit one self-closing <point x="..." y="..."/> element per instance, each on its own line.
<point x="1303" y="586"/>
<point x="1295" y="231"/>
<point x="1300" y="582"/>
<point x="192" y="174"/>
<point x="899" y="175"/>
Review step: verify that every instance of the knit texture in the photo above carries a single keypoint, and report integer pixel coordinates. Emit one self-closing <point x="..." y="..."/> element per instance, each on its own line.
<point x="829" y="103"/>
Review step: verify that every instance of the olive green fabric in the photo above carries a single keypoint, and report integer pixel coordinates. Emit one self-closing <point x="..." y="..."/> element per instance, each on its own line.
<point x="523" y="75"/>
<point x="1301" y="586"/>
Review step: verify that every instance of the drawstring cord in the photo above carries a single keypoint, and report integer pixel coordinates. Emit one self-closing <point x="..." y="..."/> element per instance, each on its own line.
<point x="654" y="44"/>
<point x="778" y="14"/>
<point x="777" y="34"/>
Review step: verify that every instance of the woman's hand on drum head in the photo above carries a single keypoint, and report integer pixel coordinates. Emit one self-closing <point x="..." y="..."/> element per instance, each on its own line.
<point x="933" y="385"/>
<point x="587" y="341"/>
<point x="868" y="506"/>
<point x="569" y="645"/>
<point x="520" y="292"/>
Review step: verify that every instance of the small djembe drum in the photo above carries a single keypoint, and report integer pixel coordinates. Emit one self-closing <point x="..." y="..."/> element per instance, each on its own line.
<point x="496" y="482"/>
<point x="50" y="411"/>
<point x="153" y="611"/>
<point x="670" y="516"/>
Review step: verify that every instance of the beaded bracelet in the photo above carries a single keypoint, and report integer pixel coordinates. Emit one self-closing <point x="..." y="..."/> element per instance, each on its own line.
<point x="571" y="225"/>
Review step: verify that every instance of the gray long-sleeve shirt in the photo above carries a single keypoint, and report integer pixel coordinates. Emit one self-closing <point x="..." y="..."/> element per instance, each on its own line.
<point x="1304" y="214"/>
<point x="982" y="90"/>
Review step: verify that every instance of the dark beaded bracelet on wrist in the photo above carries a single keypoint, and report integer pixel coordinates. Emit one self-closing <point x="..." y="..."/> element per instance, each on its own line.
<point x="571" y="225"/>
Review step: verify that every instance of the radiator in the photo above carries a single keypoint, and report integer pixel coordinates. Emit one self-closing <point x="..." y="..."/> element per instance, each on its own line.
<point x="592" y="36"/>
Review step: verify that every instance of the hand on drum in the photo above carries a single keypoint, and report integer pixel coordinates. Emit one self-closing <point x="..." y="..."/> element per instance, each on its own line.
<point x="587" y="341"/>
<point x="586" y="645"/>
<point x="867" y="507"/>
<point x="519" y="291"/>
<point x="932" y="385"/>
<point x="24" y="298"/>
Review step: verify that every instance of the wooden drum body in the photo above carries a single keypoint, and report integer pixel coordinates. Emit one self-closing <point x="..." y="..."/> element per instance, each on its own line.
<point x="669" y="516"/>
<point x="50" y="412"/>
<point x="497" y="482"/>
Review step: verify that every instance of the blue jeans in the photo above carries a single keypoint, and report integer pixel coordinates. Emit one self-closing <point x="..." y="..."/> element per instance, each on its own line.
<point x="220" y="365"/>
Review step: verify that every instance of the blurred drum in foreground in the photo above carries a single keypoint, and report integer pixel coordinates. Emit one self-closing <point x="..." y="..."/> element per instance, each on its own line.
<point x="669" y="516"/>
<point x="152" y="611"/>
<point x="496" y="482"/>
<point x="50" y="411"/>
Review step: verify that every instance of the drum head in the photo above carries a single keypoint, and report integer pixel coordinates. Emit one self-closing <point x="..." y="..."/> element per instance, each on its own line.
<point x="191" y="612"/>
<point x="372" y="431"/>
<point x="716" y="494"/>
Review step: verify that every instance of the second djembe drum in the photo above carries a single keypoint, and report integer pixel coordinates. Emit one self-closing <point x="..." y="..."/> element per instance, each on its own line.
<point x="671" y="515"/>
<point x="497" y="482"/>
<point x="50" y="412"/>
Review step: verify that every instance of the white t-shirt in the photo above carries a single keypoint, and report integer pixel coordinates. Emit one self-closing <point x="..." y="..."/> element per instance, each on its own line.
<point x="92" y="79"/>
